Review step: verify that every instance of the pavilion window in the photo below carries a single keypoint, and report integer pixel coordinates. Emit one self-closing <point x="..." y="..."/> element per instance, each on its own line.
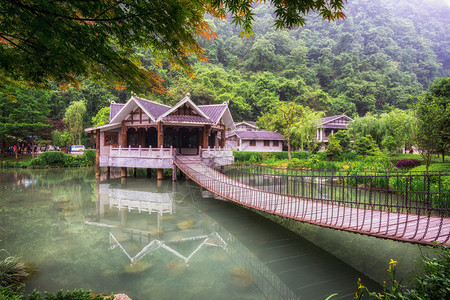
<point x="111" y="138"/>
<point x="253" y="143"/>
<point x="267" y="143"/>
<point x="275" y="143"/>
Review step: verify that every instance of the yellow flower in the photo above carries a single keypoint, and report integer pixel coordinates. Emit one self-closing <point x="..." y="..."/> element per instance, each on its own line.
<point x="380" y="295"/>
<point x="393" y="262"/>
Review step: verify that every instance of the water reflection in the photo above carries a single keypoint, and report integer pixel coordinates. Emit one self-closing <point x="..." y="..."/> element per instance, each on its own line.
<point x="161" y="240"/>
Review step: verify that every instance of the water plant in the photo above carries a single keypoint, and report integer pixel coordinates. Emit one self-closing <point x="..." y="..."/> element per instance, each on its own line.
<point x="13" y="273"/>
<point x="433" y="283"/>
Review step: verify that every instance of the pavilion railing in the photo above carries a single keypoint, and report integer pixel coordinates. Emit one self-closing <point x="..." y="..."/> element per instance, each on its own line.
<point x="141" y="152"/>
<point x="216" y="152"/>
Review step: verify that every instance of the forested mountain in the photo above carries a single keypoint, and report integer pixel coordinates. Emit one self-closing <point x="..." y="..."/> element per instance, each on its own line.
<point x="382" y="56"/>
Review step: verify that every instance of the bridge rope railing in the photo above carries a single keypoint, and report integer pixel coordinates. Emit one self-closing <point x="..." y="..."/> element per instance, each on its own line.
<point x="352" y="202"/>
<point x="416" y="192"/>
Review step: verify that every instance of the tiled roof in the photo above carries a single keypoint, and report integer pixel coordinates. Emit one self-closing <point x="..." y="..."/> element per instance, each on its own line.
<point x="214" y="112"/>
<point x="258" y="135"/>
<point x="186" y="119"/>
<point x="328" y="119"/>
<point x="114" y="109"/>
<point x="335" y="126"/>
<point x="153" y="108"/>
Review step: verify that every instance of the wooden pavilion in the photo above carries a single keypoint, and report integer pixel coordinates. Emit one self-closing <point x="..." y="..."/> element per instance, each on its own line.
<point x="146" y="134"/>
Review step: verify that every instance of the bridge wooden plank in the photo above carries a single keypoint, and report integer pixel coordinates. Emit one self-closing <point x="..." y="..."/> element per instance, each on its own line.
<point x="358" y="217"/>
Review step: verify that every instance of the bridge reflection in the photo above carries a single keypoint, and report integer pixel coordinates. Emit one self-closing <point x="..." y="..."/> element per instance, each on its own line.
<point x="143" y="223"/>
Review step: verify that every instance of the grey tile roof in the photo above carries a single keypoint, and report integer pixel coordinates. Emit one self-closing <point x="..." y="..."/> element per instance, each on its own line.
<point x="327" y="119"/>
<point x="258" y="135"/>
<point x="214" y="112"/>
<point x="186" y="119"/>
<point x="114" y="108"/>
<point x="335" y="126"/>
<point x="153" y="108"/>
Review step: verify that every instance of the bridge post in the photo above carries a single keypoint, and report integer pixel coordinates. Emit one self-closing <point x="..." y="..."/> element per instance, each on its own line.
<point x="123" y="134"/>
<point x="160" y="131"/>
<point x="97" y="153"/>
<point x="174" y="168"/>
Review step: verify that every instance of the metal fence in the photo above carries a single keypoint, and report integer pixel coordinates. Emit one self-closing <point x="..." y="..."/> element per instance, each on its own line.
<point x="406" y="192"/>
<point x="398" y="205"/>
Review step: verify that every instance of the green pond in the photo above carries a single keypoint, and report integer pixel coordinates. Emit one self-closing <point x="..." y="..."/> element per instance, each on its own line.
<point x="156" y="239"/>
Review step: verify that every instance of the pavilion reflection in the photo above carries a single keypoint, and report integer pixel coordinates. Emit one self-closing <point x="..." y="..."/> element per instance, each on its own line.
<point x="143" y="221"/>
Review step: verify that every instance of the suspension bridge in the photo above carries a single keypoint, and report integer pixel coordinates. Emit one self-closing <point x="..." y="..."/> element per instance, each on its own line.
<point x="390" y="218"/>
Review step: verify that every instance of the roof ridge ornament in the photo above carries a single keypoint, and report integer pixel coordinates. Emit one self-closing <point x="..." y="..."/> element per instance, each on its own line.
<point x="188" y="95"/>
<point x="133" y="94"/>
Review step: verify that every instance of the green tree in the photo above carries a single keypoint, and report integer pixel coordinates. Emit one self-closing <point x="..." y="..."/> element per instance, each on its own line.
<point x="24" y="118"/>
<point x="433" y="113"/>
<point x="102" y="117"/>
<point x="389" y="144"/>
<point x="365" y="145"/>
<point x="73" y="120"/>
<point x="304" y="131"/>
<point x="61" y="40"/>
<point x="334" y="148"/>
<point x="344" y="139"/>
<point x="281" y="119"/>
<point x="61" y="139"/>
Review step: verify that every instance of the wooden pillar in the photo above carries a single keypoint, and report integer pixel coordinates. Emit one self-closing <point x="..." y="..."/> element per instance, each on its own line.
<point x="97" y="153"/>
<point x="134" y="172"/>
<point x="222" y="141"/>
<point x="160" y="130"/>
<point x="174" y="173"/>
<point x="205" y="137"/>
<point x="108" y="172"/>
<point x="123" y="142"/>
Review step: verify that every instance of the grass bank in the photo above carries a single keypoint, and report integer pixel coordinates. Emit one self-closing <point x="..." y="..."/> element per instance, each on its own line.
<point x="349" y="161"/>
<point x="49" y="159"/>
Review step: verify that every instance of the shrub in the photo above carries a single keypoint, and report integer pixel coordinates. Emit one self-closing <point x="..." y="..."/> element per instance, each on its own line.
<point x="295" y="163"/>
<point x="389" y="144"/>
<point x="366" y="145"/>
<point x="300" y="154"/>
<point x="334" y="148"/>
<point x="51" y="158"/>
<point x="407" y="163"/>
<point x="90" y="156"/>
<point x="245" y="156"/>
<point x="348" y="156"/>
<point x="344" y="139"/>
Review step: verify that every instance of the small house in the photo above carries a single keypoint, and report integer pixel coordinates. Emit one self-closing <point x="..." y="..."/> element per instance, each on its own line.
<point x="247" y="137"/>
<point x="146" y="134"/>
<point x="330" y="125"/>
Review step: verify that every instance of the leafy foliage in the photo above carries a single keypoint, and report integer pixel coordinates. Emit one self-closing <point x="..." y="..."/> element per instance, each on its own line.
<point x="433" y="112"/>
<point x="13" y="273"/>
<point x="365" y="145"/>
<point x="407" y="163"/>
<point x="102" y="117"/>
<point x="432" y="284"/>
<point x="334" y="148"/>
<point x="74" y="120"/>
<point x="62" y="40"/>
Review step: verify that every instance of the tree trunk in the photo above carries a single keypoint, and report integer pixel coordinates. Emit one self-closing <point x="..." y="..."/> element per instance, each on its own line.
<point x="289" y="147"/>
<point x="4" y="148"/>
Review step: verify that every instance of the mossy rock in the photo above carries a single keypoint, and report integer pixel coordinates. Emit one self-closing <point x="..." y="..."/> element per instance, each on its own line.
<point x="241" y="278"/>
<point x="186" y="225"/>
<point x="137" y="267"/>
